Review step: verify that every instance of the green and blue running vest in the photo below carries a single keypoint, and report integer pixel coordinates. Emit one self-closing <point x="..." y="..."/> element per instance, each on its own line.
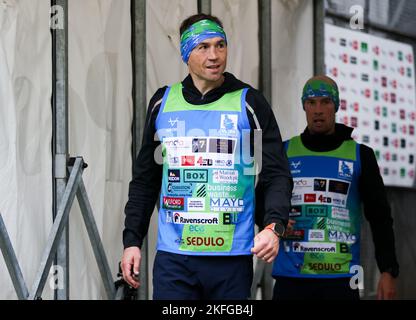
<point x="325" y="241"/>
<point x="207" y="197"/>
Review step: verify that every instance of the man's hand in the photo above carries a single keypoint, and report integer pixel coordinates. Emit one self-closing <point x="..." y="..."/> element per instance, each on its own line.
<point x="131" y="261"/>
<point x="266" y="245"/>
<point x="386" y="287"/>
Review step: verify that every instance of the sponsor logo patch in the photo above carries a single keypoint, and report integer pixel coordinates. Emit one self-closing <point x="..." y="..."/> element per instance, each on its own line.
<point x="317" y="247"/>
<point x="345" y="169"/>
<point x="225" y="176"/>
<point x="174" y="175"/>
<point x="195" y="176"/>
<point x="173" y="203"/>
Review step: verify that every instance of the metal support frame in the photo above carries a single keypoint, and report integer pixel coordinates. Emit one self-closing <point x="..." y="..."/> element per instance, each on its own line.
<point x="12" y="263"/>
<point x="262" y="273"/>
<point x="265" y="34"/>
<point x="319" y="37"/>
<point x="75" y="187"/>
<point x="60" y="137"/>
<point x="138" y="18"/>
<point x="204" y="6"/>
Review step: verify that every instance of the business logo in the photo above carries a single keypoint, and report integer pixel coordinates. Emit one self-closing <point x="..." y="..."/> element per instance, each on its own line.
<point x="225" y="176"/>
<point x="196" y="204"/>
<point x="200" y="176"/>
<point x="319" y="185"/>
<point x="229" y="218"/>
<point x="180" y="189"/>
<point x="173" y="203"/>
<point x="296" y="198"/>
<point x="223" y="163"/>
<point x="337" y="225"/>
<point x="224" y="146"/>
<point x="318" y="266"/>
<point x="301" y="183"/>
<point x="199" y="145"/>
<point x="175" y="143"/>
<point x="338" y="186"/>
<point x="323" y="199"/>
<point x="204" y="162"/>
<point x="229" y="121"/>
<point x="188" y="161"/>
<point x="340" y="213"/>
<point x="345" y="169"/>
<point x="173" y="161"/>
<point x="205" y="241"/>
<point x="196" y="228"/>
<point x="298" y="235"/>
<point x="295" y="211"/>
<point x="316" y="211"/>
<point x="341" y="202"/>
<point x="309" y="197"/>
<point x="227" y="204"/>
<point x="316" y="235"/>
<point x="294" y="166"/>
<point x="174" y="175"/>
<point x="201" y="191"/>
<point x="338" y="236"/>
<point x="316" y="247"/>
<point x="195" y="218"/>
<point x="173" y="122"/>
<point x="179" y="241"/>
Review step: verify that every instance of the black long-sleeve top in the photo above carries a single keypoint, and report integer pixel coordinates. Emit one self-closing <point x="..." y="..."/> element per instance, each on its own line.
<point x="372" y="192"/>
<point x="147" y="174"/>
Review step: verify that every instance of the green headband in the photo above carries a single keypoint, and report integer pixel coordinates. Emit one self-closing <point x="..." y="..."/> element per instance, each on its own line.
<point x="198" y="32"/>
<point x="320" y="88"/>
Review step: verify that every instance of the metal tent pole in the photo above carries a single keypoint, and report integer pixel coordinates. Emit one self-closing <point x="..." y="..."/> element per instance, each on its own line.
<point x="265" y="29"/>
<point x="60" y="137"/>
<point x="138" y="12"/>
<point x="204" y="6"/>
<point x="319" y="37"/>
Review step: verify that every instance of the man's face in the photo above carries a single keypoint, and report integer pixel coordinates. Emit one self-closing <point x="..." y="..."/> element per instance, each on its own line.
<point x="208" y="60"/>
<point x="320" y="115"/>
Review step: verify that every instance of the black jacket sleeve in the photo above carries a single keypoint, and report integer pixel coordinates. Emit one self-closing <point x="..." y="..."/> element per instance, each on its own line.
<point x="145" y="185"/>
<point x="274" y="187"/>
<point x="377" y="211"/>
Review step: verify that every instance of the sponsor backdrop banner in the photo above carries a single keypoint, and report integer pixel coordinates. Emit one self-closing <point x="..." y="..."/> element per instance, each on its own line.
<point x="377" y="97"/>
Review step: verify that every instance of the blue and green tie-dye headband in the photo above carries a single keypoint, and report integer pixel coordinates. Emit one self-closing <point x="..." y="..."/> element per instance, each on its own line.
<point x="198" y="32"/>
<point x="320" y="88"/>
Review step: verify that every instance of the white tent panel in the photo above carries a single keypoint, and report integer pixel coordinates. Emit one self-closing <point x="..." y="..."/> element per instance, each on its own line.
<point x="240" y="20"/>
<point x="292" y="61"/>
<point x="25" y="134"/>
<point x="100" y="102"/>
<point x="164" y="62"/>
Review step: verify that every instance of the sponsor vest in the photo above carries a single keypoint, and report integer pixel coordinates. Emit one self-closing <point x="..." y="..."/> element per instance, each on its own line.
<point x="206" y="201"/>
<point x="325" y="242"/>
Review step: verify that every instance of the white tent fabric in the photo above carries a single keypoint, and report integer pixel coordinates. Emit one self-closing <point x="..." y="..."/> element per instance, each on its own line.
<point x="25" y="134"/>
<point x="100" y="103"/>
<point x="240" y="21"/>
<point x="292" y="62"/>
<point x="164" y="62"/>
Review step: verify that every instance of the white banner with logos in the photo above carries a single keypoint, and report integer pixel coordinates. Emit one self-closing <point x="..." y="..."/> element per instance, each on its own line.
<point x="376" y="78"/>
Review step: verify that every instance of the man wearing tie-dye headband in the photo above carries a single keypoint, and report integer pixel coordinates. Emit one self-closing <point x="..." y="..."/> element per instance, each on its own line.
<point x="333" y="176"/>
<point x="206" y="236"/>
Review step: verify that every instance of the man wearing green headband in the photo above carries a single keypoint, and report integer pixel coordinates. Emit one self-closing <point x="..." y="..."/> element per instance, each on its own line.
<point x="319" y="256"/>
<point x="206" y="128"/>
